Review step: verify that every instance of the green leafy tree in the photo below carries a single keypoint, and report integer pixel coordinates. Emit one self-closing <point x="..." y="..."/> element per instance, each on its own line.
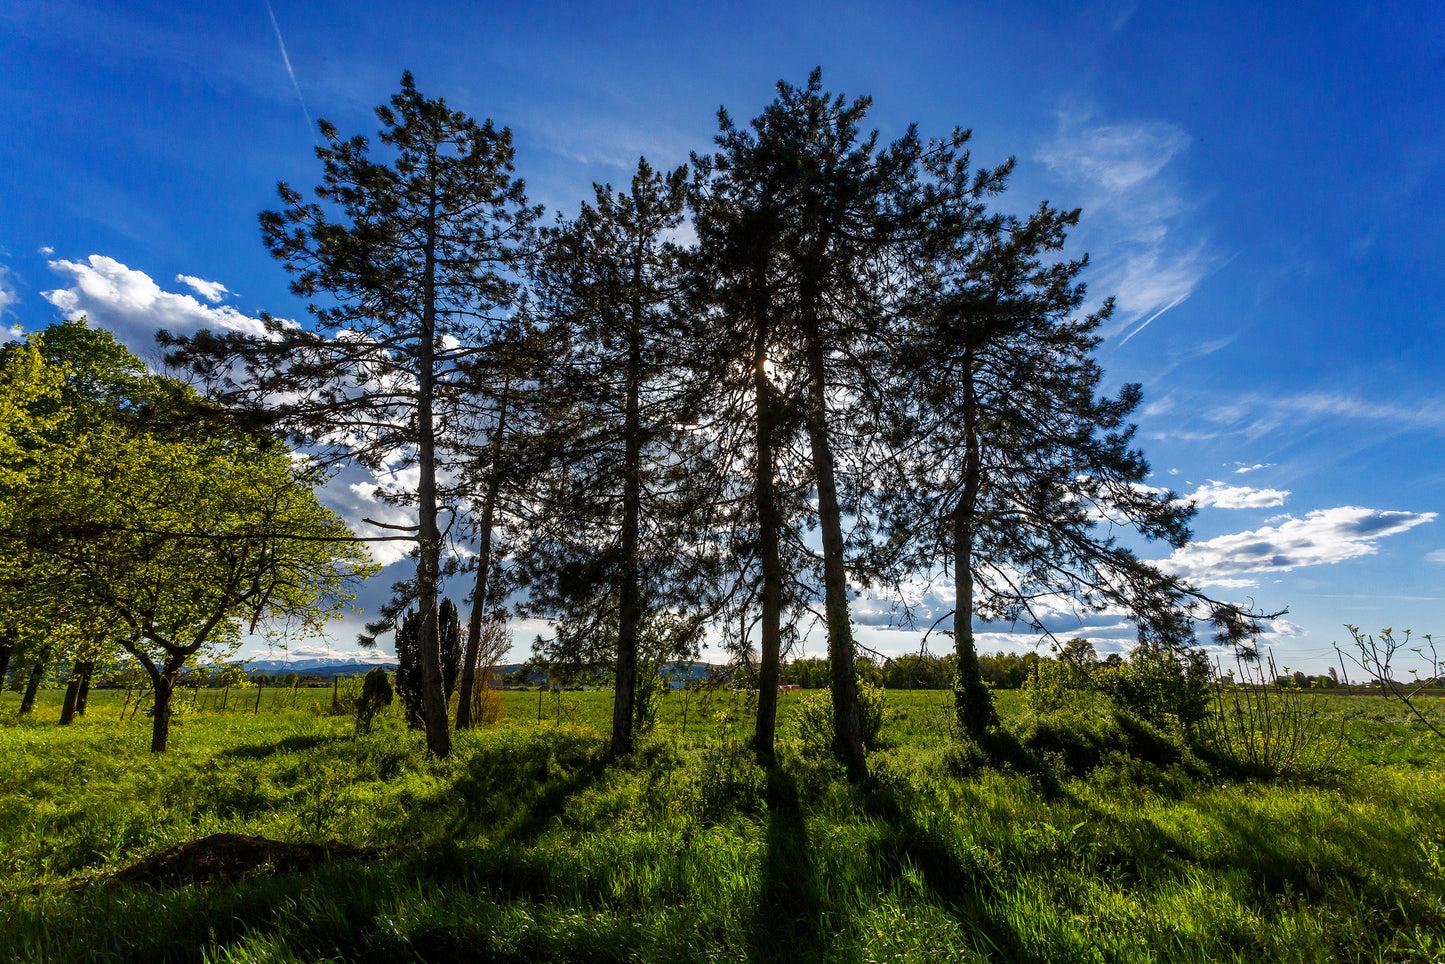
<point x="176" y="535"/>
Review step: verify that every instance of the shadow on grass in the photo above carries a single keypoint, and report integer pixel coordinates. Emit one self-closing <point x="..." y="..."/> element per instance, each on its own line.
<point x="511" y="790"/>
<point x="960" y="880"/>
<point x="788" y="916"/>
<point x="290" y="744"/>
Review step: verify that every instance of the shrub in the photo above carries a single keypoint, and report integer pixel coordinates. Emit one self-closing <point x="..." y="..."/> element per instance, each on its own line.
<point x="487" y="704"/>
<point x="1168" y="689"/>
<point x="1054" y="685"/>
<point x="1269" y="725"/>
<point x="815" y="718"/>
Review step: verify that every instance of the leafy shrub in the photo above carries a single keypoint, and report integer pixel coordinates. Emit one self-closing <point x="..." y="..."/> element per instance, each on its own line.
<point x="487" y="704"/>
<point x="647" y="690"/>
<point x="1055" y="685"/>
<point x="815" y="718"/>
<point x="1168" y="689"/>
<point x="730" y="781"/>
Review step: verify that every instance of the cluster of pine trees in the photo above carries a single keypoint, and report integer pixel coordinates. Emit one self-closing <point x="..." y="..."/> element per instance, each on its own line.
<point x="724" y="399"/>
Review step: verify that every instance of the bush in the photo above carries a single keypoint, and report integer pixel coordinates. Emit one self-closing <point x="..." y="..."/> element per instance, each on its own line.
<point x="1167" y="689"/>
<point x="1272" y="726"/>
<point x="1055" y="685"/>
<point x="815" y="718"/>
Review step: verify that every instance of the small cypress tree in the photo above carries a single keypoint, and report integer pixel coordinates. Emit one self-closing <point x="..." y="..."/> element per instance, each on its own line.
<point x="449" y="640"/>
<point x="408" y="668"/>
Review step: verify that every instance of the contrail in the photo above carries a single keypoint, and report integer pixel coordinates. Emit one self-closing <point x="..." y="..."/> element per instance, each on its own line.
<point x="287" y="61"/>
<point x="1151" y="318"/>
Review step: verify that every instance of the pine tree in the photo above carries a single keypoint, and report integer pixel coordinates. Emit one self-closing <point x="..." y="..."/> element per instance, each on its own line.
<point x="413" y="263"/>
<point x="408" y="682"/>
<point x="1012" y="473"/>
<point x="806" y="222"/>
<point x="626" y="475"/>
<point x="449" y="644"/>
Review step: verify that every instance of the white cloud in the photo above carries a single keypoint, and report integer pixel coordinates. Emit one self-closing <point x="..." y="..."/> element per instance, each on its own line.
<point x="8" y="296"/>
<point x="1132" y="209"/>
<point x="1252" y="468"/>
<point x="130" y="304"/>
<point x="1225" y="496"/>
<point x="1323" y="536"/>
<point x="47" y="251"/>
<point x="210" y="290"/>
<point x="351" y="493"/>
<point x="1437" y="556"/>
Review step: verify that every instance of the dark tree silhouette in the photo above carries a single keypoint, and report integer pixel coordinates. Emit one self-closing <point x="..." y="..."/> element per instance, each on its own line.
<point x="412" y="264"/>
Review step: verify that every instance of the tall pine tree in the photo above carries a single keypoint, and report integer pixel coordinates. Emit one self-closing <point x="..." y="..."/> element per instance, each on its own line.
<point x="411" y="262"/>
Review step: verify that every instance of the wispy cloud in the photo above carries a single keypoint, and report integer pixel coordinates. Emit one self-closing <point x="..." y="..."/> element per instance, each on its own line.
<point x="1322" y="537"/>
<point x="1437" y="556"/>
<point x="133" y="306"/>
<point x="8" y="297"/>
<point x="1133" y="207"/>
<point x="1243" y="468"/>
<point x="1257" y="415"/>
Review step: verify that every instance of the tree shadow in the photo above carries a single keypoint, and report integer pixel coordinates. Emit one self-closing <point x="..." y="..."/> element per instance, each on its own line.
<point x="290" y="744"/>
<point x="789" y="912"/>
<point x="959" y="881"/>
<point x="511" y="792"/>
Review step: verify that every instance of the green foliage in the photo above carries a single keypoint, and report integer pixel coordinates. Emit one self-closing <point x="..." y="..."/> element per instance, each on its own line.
<point x="449" y="643"/>
<point x="814" y="718"/>
<point x="408" y="668"/>
<point x="1054" y="685"/>
<point x="1165" y="687"/>
<point x="376" y="695"/>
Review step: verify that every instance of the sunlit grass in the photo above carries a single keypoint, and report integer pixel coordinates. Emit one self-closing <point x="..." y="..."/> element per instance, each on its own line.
<point x="530" y="845"/>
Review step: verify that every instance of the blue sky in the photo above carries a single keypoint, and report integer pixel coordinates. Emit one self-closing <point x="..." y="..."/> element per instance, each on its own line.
<point x="1259" y="184"/>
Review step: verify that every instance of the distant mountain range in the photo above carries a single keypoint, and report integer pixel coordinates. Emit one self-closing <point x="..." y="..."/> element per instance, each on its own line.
<point x="349" y="664"/>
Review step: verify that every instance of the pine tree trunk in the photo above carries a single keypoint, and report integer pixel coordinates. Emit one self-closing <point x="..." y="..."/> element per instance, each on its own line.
<point x="847" y="728"/>
<point x="629" y="601"/>
<point x="769" y="558"/>
<point x="484" y="565"/>
<point x="479" y="607"/>
<point x="6" y="648"/>
<point x="972" y="701"/>
<point x="32" y="686"/>
<point x="434" y="703"/>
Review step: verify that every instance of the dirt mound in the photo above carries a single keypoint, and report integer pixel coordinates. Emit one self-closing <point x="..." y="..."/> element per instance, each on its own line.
<point x="231" y="856"/>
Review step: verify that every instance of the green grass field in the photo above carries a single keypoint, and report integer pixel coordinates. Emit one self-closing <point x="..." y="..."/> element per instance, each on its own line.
<point x="528" y="845"/>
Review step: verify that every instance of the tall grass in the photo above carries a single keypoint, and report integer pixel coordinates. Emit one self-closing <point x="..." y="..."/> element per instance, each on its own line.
<point x="530" y="845"/>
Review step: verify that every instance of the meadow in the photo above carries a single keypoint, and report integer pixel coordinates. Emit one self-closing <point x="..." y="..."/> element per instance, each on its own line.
<point x="1070" y="838"/>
